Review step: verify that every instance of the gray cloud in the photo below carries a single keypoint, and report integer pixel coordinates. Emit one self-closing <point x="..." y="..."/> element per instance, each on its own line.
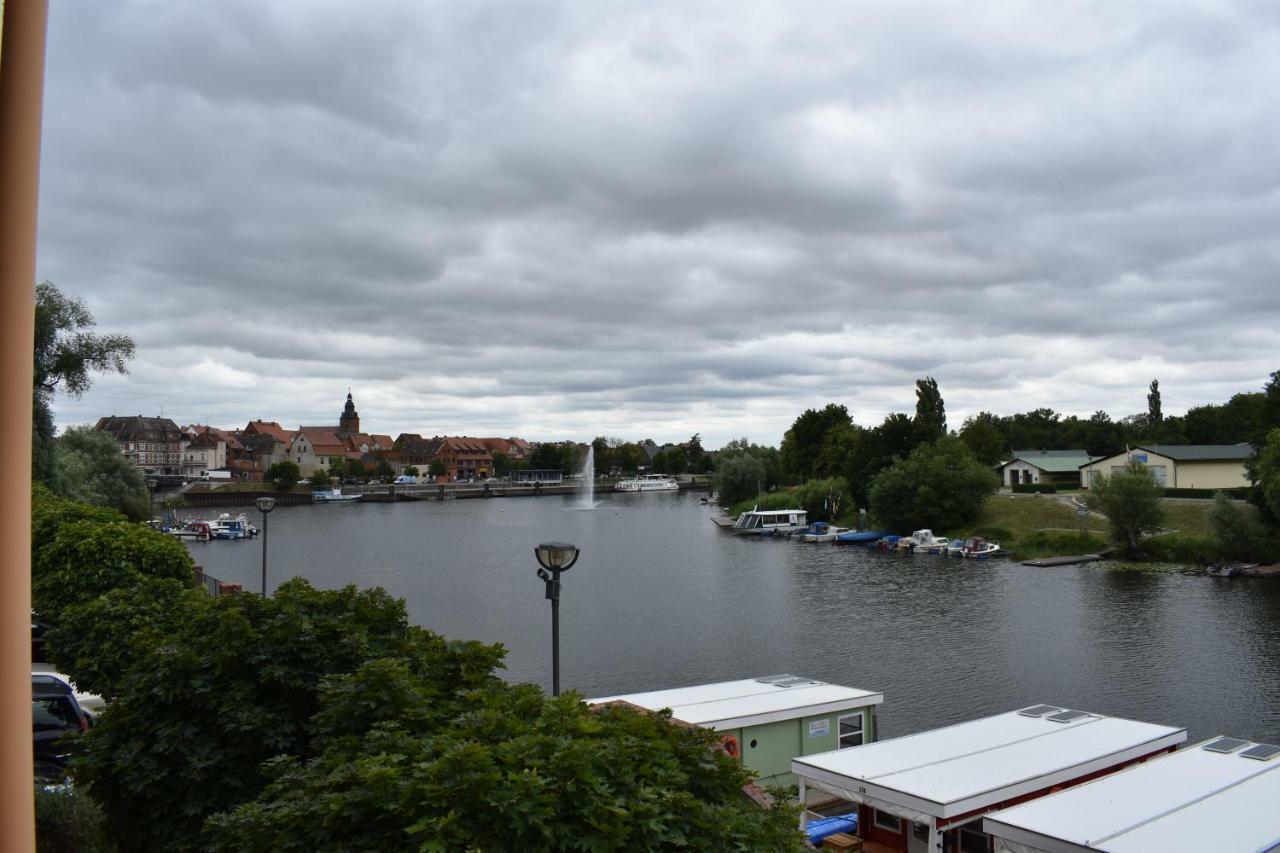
<point x="562" y="220"/>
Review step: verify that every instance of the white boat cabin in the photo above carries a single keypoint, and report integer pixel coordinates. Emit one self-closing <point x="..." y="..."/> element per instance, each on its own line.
<point x="768" y="521"/>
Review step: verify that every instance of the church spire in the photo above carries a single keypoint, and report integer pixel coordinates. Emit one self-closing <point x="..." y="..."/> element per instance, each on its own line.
<point x="349" y="420"/>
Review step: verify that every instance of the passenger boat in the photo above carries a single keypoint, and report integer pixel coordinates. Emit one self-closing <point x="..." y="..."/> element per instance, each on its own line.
<point x="860" y="537"/>
<point x="770" y="522"/>
<point x="332" y="496"/>
<point x="977" y="548"/>
<point x="647" y="483"/>
<point x="819" y="531"/>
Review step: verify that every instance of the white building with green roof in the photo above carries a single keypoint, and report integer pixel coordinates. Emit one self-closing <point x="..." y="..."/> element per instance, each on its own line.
<point x="1060" y="467"/>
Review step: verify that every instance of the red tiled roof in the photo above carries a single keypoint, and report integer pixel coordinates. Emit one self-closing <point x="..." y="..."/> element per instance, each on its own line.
<point x="272" y="429"/>
<point x="324" y="440"/>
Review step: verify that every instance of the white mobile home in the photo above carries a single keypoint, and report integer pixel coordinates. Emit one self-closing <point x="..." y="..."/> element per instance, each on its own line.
<point x="769" y="721"/>
<point x="929" y="791"/>
<point x="1218" y="795"/>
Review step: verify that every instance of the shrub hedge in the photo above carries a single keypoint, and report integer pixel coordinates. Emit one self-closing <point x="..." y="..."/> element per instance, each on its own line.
<point x="1240" y="493"/>
<point x="1033" y="488"/>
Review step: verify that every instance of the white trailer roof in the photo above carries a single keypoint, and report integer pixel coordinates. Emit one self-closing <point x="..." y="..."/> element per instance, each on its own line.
<point x="750" y="701"/>
<point x="970" y="766"/>
<point x="1193" y="799"/>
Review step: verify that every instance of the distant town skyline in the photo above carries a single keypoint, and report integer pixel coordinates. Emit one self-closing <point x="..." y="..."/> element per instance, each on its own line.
<point x="559" y="220"/>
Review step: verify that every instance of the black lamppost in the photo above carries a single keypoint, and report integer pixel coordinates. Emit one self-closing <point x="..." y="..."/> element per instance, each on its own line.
<point x="555" y="557"/>
<point x="265" y="505"/>
<point x="152" y="482"/>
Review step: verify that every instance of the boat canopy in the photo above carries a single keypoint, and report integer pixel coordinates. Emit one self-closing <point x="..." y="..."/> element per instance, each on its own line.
<point x="938" y="775"/>
<point x="1217" y="795"/>
<point x="750" y="701"/>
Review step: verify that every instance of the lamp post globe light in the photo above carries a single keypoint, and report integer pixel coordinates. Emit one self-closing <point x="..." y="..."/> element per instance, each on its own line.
<point x="554" y="558"/>
<point x="265" y="504"/>
<point x="152" y="482"/>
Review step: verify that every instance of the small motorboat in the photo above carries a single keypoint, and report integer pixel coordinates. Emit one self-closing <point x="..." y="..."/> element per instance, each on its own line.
<point x="924" y="542"/>
<point x="819" y="531"/>
<point x="955" y="548"/>
<point x="888" y="543"/>
<point x="977" y="548"/>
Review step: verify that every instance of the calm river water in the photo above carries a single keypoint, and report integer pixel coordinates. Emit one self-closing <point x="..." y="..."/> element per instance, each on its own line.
<point x="662" y="598"/>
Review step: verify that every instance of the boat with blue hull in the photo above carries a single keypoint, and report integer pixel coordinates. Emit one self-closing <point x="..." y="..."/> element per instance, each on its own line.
<point x="860" y="537"/>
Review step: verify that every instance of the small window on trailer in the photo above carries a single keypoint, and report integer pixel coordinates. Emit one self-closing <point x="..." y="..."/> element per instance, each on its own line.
<point x="849" y="729"/>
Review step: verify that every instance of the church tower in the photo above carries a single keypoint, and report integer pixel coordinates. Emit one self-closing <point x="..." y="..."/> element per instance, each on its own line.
<point x="349" y="420"/>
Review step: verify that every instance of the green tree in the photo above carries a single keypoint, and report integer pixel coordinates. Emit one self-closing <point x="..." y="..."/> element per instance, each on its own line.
<point x="803" y="441"/>
<point x="546" y="456"/>
<point x="1130" y="501"/>
<point x="89" y="468"/>
<point x="1154" y="413"/>
<point x="627" y="457"/>
<point x="285" y="474"/>
<point x="383" y="470"/>
<point x="320" y="479"/>
<point x="437" y="468"/>
<point x="518" y="771"/>
<point x="412" y="471"/>
<point x="981" y="433"/>
<point x="66" y="356"/>
<point x="235" y="682"/>
<point x="1264" y="470"/>
<point x="1236" y="532"/>
<point x="931" y="412"/>
<point x="940" y="485"/>
<point x="738" y="478"/>
<point x="89" y="558"/>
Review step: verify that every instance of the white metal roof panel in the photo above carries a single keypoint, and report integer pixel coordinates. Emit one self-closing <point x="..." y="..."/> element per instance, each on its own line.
<point x="972" y="765"/>
<point x="1189" y="800"/>
<point x="731" y="704"/>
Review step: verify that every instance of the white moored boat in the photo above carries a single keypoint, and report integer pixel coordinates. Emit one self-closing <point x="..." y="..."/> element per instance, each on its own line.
<point x="924" y="542"/>
<point x="332" y="496"/>
<point x="647" y="483"/>
<point x="819" y="531"/>
<point x="771" y="522"/>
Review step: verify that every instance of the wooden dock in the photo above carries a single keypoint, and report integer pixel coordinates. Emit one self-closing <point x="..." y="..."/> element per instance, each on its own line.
<point x="1064" y="561"/>
<point x="723" y="520"/>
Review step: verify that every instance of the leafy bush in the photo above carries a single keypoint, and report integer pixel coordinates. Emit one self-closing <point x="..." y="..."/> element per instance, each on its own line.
<point x="68" y="822"/>
<point x="1241" y="493"/>
<point x="994" y="534"/>
<point x="1179" y="548"/>
<point x="285" y="474"/>
<point x="940" y="485"/>
<point x="517" y="771"/>
<point x="1238" y="535"/>
<point x="738" y="478"/>
<point x="822" y="500"/>
<point x="1053" y="543"/>
<point x="89" y="558"/>
<point x="1035" y="488"/>
<point x="233" y="683"/>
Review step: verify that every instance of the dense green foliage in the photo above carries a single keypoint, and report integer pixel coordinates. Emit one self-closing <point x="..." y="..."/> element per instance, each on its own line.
<point x="803" y="442"/>
<point x="822" y="500"/>
<point x="1051" y="543"/>
<point x="285" y="474"/>
<point x="66" y="354"/>
<point x="931" y="411"/>
<point x="89" y="468"/>
<point x="80" y="552"/>
<point x="939" y="485"/>
<point x="1265" y="470"/>
<point x="320" y="479"/>
<point x="68" y="822"/>
<point x="1034" y="489"/>
<point x="738" y="478"/>
<point x="1238" y="535"/>
<point x="515" y="771"/>
<point x="1130" y="500"/>
<point x="206" y="699"/>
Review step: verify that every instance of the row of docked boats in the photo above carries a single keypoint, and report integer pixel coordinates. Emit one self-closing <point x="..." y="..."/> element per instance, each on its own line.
<point x="225" y="526"/>
<point x="794" y="524"/>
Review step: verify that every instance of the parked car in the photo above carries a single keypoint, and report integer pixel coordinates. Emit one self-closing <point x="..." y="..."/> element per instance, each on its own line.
<point x="55" y="717"/>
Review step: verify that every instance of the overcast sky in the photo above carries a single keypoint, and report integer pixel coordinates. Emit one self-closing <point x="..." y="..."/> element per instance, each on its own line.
<point x="654" y="219"/>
